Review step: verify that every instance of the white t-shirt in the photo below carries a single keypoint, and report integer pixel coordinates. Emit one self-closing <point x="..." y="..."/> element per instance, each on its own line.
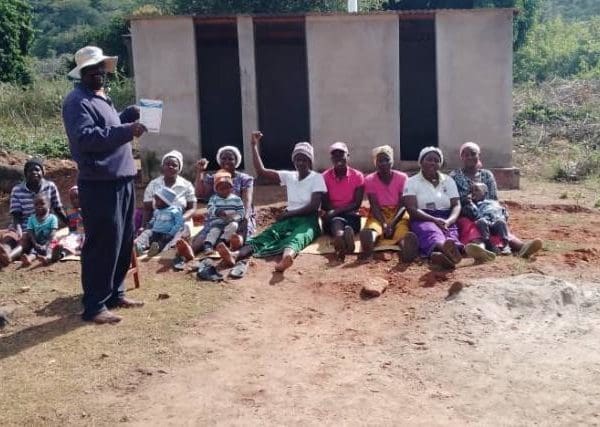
<point x="299" y="193"/>
<point x="430" y="197"/>
<point x="183" y="188"/>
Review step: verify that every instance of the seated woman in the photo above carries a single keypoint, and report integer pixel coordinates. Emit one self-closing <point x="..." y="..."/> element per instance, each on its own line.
<point x="387" y="217"/>
<point x="433" y="204"/>
<point x="472" y="173"/>
<point x="185" y="199"/>
<point x="345" y="190"/>
<point x="298" y="225"/>
<point x="229" y="159"/>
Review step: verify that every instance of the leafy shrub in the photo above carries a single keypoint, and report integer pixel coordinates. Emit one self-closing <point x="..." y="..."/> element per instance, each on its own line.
<point x="30" y="117"/>
<point x="558" y="48"/>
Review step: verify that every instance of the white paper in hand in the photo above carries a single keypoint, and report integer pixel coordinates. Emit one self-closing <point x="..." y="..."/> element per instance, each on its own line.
<point x="151" y="114"/>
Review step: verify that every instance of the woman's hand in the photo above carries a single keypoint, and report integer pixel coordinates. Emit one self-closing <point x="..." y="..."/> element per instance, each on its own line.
<point x="256" y="137"/>
<point x="201" y="165"/>
<point x="441" y="223"/>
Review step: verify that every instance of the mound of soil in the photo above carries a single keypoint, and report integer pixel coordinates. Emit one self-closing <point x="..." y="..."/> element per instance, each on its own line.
<point x="533" y="305"/>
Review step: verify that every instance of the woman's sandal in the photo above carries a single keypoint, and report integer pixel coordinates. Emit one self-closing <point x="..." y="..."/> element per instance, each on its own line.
<point x="451" y="251"/>
<point x="440" y="260"/>
<point x="479" y="254"/>
<point x="207" y="271"/>
<point x="530" y="248"/>
<point x="239" y="269"/>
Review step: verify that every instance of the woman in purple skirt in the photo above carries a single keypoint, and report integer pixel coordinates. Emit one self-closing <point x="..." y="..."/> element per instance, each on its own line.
<point x="433" y="204"/>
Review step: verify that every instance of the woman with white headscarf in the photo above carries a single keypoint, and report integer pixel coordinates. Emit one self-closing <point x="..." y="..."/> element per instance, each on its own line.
<point x="228" y="158"/>
<point x="471" y="173"/>
<point x="433" y="203"/>
<point x="171" y="166"/>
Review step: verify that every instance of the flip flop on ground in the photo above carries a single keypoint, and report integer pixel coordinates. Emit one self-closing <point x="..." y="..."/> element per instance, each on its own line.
<point x="440" y="260"/>
<point x="451" y="251"/>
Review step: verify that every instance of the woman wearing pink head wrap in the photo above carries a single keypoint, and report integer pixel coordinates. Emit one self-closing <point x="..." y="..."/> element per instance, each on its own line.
<point x="471" y="173"/>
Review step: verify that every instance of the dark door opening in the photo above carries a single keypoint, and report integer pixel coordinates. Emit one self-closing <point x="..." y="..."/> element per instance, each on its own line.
<point x="219" y="87"/>
<point x="282" y="87"/>
<point x="418" y="88"/>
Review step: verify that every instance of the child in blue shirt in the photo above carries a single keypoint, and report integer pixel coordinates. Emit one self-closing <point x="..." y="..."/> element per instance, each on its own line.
<point x="40" y="231"/>
<point x="166" y="221"/>
<point x="225" y="211"/>
<point x="72" y="243"/>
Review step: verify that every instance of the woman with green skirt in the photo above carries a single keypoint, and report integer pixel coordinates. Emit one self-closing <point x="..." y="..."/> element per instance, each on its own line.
<point x="297" y="226"/>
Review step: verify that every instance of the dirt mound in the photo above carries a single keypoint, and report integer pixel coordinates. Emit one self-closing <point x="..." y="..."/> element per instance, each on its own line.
<point x="531" y="305"/>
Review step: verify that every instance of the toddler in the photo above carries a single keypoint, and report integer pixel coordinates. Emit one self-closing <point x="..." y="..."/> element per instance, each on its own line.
<point x="72" y="243"/>
<point x="166" y="221"/>
<point x="40" y="231"/>
<point x="224" y="214"/>
<point x="489" y="216"/>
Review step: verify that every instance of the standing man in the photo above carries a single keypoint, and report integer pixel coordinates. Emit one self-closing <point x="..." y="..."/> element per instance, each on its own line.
<point x="99" y="139"/>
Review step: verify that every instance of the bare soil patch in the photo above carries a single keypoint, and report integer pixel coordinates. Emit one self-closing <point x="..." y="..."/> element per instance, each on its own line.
<point x="506" y="347"/>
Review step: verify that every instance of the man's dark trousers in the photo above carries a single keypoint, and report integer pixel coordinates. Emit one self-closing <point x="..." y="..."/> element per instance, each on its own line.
<point x="107" y="209"/>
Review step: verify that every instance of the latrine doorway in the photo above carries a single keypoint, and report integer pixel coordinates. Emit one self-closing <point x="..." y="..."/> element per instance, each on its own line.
<point x="282" y="87"/>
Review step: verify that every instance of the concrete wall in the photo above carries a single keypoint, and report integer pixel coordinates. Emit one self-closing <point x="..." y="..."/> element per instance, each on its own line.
<point x="474" y="69"/>
<point x="353" y="74"/>
<point x="164" y="56"/>
<point x="245" y="27"/>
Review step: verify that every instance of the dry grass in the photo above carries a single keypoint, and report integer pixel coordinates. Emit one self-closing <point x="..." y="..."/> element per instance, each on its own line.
<point x="53" y="366"/>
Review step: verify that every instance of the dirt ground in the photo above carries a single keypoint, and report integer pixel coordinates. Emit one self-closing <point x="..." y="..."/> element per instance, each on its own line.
<point x="519" y="344"/>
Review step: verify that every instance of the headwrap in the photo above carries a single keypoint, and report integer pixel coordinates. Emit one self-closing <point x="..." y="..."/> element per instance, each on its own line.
<point x="222" y="176"/>
<point x="338" y="146"/>
<point x="34" y="161"/>
<point x="383" y="149"/>
<point x="234" y="150"/>
<point x="472" y="146"/>
<point x="428" y="150"/>
<point x="174" y="155"/>
<point x="304" y="148"/>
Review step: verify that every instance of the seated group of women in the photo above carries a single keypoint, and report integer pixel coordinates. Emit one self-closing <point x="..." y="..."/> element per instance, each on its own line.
<point x="428" y="214"/>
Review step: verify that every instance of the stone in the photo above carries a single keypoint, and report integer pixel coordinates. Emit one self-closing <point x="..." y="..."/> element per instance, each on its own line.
<point x="374" y="287"/>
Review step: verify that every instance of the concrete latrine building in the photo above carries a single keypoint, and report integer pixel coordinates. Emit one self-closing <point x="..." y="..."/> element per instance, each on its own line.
<point x="408" y="79"/>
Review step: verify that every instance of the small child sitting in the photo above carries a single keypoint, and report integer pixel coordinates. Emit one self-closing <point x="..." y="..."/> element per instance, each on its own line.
<point x="22" y="207"/>
<point x="225" y="211"/>
<point x="72" y="243"/>
<point x="166" y="221"/>
<point x="40" y="231"/>
<point x="489" y="216"/>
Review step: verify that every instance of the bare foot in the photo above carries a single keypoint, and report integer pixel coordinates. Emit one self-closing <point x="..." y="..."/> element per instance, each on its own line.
<point x="184" y="249"/>
<point x="25" y="260"/>
<point x="4" y="255"/>
<point x="105" y="317"/>
<point x="285" y="263"/>
<point x="226" y="255"/>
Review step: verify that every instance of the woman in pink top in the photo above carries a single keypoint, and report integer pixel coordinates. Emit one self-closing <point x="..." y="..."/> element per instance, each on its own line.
<point x="387" y="217"/>
<point x="345" y="190"/>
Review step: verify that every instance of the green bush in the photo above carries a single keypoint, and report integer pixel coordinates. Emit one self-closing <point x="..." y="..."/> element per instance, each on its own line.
<point x="558" y="48"/>
<point x="30" y="117"/>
